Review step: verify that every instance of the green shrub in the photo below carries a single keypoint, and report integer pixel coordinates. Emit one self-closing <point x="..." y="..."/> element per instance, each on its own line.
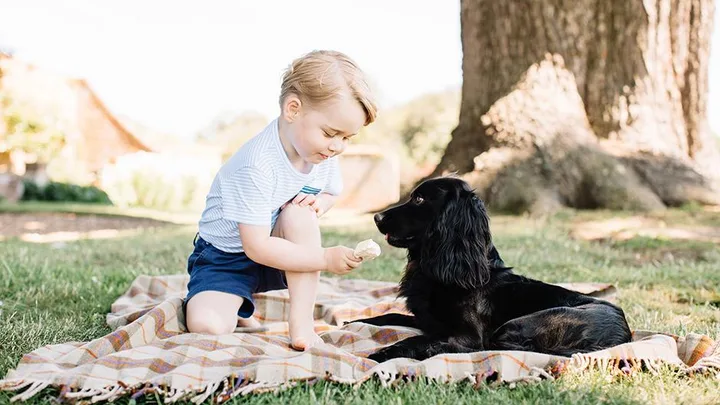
<point x="32" y="191"/>
<point x="64" y="192"/>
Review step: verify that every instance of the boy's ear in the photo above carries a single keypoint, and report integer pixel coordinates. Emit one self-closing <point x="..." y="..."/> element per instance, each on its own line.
<point x="291" y="107"/>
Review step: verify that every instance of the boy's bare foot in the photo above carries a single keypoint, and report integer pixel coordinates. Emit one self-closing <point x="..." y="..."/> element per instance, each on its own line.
<point x="303" y="337"/>
<point x="248" y="323"/>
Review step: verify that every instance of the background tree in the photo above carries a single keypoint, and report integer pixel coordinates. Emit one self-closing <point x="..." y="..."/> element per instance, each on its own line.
<point x="585" y="103"/>
<point x="22" y="129"/>
<point x="231" y="130"/>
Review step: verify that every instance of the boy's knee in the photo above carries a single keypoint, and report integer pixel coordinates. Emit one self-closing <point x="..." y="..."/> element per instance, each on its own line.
<point x="210" y="323"/>
<point x="296" y="216"/>
<point x="299" y="225"/>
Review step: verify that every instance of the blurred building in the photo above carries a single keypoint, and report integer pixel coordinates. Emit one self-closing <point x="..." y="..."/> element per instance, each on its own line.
<point x="93" y="135"/>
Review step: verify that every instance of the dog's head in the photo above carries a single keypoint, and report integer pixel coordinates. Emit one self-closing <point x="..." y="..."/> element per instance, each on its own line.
<point x="446" y="226"/>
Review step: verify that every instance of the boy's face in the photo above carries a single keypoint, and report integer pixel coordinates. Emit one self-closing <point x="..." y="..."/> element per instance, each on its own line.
<point x="322" y="132"/>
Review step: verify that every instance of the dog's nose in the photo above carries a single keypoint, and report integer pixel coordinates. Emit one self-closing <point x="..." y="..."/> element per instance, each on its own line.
<point x="378" y="217"/>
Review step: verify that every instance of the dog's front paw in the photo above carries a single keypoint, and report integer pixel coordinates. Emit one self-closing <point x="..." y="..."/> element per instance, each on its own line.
<point x="384" y="354"/>
<point x="356" y="321"/>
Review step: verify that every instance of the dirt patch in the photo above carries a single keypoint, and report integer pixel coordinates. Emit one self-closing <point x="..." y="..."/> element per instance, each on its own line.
<point x="619" y="229"/>
<point x="50" y="227"/>
<point x="664" y="255"/>
<point x="651" y="240"/>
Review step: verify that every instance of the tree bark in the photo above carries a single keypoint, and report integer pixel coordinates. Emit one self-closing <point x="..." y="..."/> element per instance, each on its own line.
<point x="585" y="103"/>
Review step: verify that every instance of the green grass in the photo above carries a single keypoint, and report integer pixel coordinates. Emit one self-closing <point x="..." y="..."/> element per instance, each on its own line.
<point x="53" y="295"/>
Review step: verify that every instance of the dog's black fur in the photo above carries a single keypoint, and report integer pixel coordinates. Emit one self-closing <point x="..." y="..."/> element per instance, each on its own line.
<point x="464" y="299"/>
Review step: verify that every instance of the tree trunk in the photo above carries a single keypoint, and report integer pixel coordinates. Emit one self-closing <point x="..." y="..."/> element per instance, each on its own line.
<point x="585" y="103"/>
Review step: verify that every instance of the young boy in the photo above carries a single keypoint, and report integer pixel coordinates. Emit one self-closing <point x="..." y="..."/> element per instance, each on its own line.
<point x="259" y="230"/>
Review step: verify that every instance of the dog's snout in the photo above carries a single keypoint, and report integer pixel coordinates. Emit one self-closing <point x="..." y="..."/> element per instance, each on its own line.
<point x="379" y="217"/>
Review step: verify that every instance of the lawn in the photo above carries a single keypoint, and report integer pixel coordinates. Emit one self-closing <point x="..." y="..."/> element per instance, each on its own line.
<point x="53" y="293"/>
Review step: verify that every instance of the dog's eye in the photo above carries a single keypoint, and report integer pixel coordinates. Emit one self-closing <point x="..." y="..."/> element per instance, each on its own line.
<point x="418" y="200"/>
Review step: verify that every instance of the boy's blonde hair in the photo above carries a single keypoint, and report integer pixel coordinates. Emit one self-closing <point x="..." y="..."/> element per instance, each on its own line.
<point x="320" y="76"/>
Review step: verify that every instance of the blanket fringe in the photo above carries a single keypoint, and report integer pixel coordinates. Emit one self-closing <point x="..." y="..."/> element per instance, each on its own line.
<point x="264" y="387"/>
<point x="232" y="386"/>
<point x="84" y="393"/>
<point x="581" y="362"/>
<point x="175" y="395"/>
<point x="209" y="390"/>
<point x="109" y="394"/>
<point x="36" y="387"/>
<point x="386" y="378"/>
<point x="706" y="365"/>
<point x="16" y="385"/>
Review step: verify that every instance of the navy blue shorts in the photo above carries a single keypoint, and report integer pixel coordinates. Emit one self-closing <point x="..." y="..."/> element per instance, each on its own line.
<point x="212" y="269"/>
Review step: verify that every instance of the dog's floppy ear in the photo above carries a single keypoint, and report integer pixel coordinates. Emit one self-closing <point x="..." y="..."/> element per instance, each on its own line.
<point x="454" y="250"/>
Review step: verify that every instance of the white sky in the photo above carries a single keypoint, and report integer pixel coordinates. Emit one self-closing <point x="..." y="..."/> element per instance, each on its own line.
<point x="176" y="65"/>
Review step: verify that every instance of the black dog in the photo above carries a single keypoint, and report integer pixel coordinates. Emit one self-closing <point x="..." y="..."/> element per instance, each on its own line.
<point x="464" y="299"/>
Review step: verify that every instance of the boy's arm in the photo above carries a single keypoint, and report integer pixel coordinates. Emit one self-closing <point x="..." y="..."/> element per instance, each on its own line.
<point x="284" y="255"/>
<point x="262" y="248"/>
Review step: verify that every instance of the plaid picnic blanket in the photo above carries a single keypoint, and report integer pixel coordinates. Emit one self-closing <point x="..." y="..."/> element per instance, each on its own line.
<point x="150" y="350"/>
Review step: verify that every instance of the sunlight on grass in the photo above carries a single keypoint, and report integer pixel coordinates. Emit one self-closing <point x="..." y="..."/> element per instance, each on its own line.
<point x="58" y="293"/>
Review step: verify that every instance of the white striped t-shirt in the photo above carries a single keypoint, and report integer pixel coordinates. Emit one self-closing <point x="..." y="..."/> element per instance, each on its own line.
<point x="254" y="183"/>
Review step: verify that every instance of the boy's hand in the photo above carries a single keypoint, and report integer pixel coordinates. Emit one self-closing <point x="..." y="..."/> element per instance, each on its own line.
<point x="318" y="206"/>
<point x="310" y="200"/>
<point x="341" y="260"/>
<point x="304" y="200"/>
